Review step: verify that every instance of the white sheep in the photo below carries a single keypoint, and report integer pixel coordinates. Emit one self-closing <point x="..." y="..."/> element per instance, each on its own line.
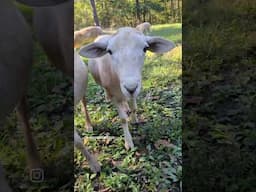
<point x="144" y="27"/>
<point x="116" y="64"/>
<point x="80" y="84"/>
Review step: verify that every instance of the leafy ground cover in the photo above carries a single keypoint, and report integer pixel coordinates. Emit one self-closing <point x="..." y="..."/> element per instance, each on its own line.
<point x="219" y="96"/>
<point x="155" y="163"/>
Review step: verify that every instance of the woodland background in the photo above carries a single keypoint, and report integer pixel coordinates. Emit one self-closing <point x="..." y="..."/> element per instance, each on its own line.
<point x="113" y="13"/>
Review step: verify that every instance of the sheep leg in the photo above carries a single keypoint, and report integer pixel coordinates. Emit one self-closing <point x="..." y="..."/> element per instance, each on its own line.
<point x="94" y="165"/>
<point x="124" y="119"/>
<point x="107" y="95"/>
<point x="88" y="123"/>
<point x="133" y="106"/>
<point x="32" y="153"/>
<point x="4" y="187"/>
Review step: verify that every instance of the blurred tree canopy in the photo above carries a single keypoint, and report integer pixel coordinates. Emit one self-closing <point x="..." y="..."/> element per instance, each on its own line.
<point x="114" y="13"/>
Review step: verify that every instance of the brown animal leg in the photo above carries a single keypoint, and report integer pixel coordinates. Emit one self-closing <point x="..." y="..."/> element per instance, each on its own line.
<point x="108" y="95"/>
<point x="88" y="123"/>
<point x="32" y="153"/>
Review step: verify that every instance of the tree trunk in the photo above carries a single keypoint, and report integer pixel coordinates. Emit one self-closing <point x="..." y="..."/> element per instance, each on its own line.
<point x="138" y="10"/>
<point x="180" y="11"/>
<point x="172" y="10"/>
<point x="95" y="15"/>
<point x="144" y="11"/>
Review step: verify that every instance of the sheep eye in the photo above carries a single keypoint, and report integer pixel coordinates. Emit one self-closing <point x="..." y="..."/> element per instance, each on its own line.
<point x="145" y="49"/>
<point x="109" y="51"/>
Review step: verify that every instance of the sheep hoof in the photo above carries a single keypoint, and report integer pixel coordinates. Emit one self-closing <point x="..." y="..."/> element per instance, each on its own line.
<point x="89" y="128"/>
<point x="108" y="99"/>
<point x="95" y="166"/>
<point x="133" y="118"/>
<point x="135" y="121"/>
<point x="129" y="145"/>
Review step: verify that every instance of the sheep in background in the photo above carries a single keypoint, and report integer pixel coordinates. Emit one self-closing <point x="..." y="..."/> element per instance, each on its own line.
<point x="144" y="27"/>
<point x="86" y="35"/>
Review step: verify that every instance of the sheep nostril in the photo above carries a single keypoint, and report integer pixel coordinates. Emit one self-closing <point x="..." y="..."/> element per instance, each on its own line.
<point x="131" y="90"/>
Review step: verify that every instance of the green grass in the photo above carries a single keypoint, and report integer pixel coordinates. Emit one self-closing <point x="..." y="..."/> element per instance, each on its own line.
<point x="155" y="164"/>
<point x="168" y="31"/>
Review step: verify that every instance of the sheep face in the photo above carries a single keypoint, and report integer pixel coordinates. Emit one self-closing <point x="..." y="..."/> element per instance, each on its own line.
<point x="127" y="50"/>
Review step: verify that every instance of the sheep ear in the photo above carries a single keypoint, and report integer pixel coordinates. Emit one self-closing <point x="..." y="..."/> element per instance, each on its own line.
<point x="41" y="2"/>
<point x="159" y="45"/>
<point x="93" y="50"/>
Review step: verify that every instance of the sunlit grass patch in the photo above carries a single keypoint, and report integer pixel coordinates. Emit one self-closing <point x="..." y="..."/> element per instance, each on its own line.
<point x="159" y="70"/>
<point x="175" y="55"/>
<point x="169" y="31"/>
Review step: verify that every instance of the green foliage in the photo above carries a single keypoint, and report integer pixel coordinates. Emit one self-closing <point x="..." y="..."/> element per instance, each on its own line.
<point x="155" y="164"/>
<point x="219" y="95"/>
<point x="124" y="13"/>
<point x="82" y="14"/>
